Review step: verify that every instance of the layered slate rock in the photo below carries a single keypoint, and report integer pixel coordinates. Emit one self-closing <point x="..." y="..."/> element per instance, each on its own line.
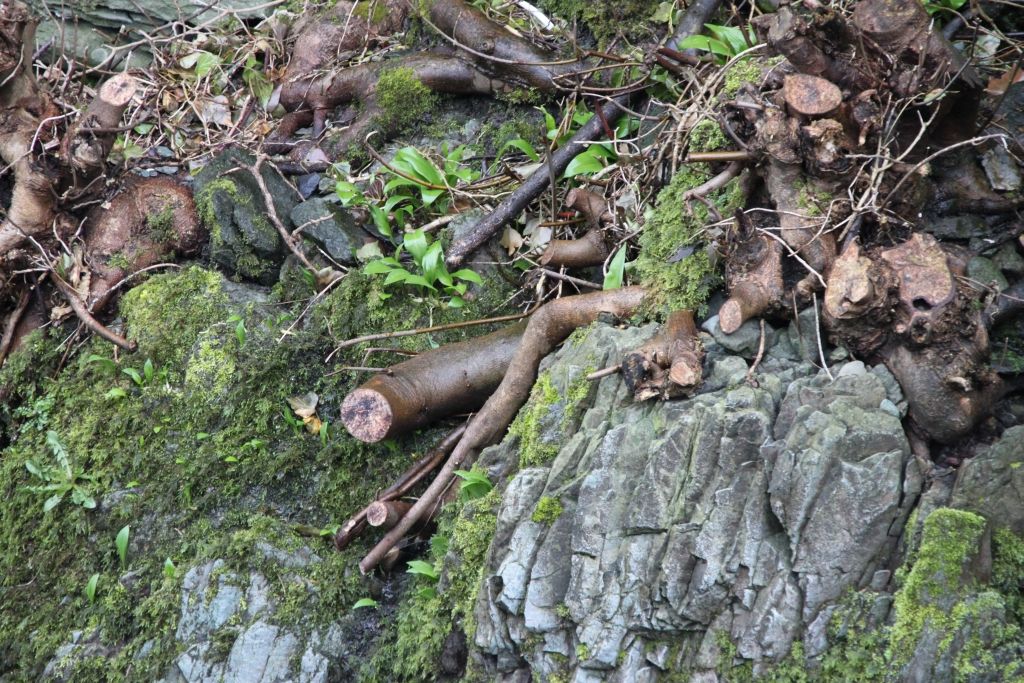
<point x="692" y="531"/>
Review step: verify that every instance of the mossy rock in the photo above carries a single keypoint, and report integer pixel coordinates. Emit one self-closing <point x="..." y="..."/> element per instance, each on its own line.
<point x="232" y="208"/>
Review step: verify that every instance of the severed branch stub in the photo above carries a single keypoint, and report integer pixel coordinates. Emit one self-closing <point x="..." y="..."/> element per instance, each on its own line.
<point x="456" y="378"/>
<point x="669" y="365"/>
<point x="386" y="513"/>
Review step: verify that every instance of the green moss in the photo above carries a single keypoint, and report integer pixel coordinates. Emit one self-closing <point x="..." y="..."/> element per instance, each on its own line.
<point x="950" y="538"/>
<point x="374" y="10"/>
<point x="707" y="136"/>
<point x="215" y="473"/>
<point x="403" y="99"/>
<point x="167" y="312"/>
<point x="679" y="281"/>
<point x="534" y="448"/>
<point x="547" y="511"/>
<point x="606" y="19"/>
<point x="1008" y="569"/>
<point x="161" y="224"/>
<point x="582" y="652"/>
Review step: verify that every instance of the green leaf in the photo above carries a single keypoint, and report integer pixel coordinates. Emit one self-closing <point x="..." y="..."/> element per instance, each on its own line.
<point x="147" y="369"/>
<point x="475" y="484"/>
<point x="420" y="166"/>
<point x="202" y="436"/>
<point x="90" y="588"/>
<point x="34" y="470"/>
<point x="134" y="374"/>
<point x="587" y="162"/>
<point x="616" y="270"/>
<point x="456" y="302"/>
<point x="205" y="63"/>
<point x="122" y="545"/>
<point x="416" y="244"/>
<point x="115" y="393"/>
<point x="397" y="275"/>
<point x="468" y="275"/>
<point x="364" y="602"/>
<point x="523" y="146"/>
<point x="240" y="333"/>
<point x="52" y="502"/>
<point x="169" y="569"/>
<point x="429" y="195"/>
<point x="348" y="193"/>
<point x="707" y="44"/>
<point x="377" y="267"/>
<point x="421" y="568"/>
<point x="106" y="363"/>
<point x="380" y="220"/>
<point x="420" y="281"/>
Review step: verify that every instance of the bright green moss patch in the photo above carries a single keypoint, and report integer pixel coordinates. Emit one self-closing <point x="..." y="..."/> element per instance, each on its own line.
<point x="673" y="261"/>
<point x="606" y="19"/>
<point x="547" y="511"/>
<point x="950" y="539"/>
<point x="534" y="448"/>
<point x="402" y="98"/>
<point x="166" y="313"/>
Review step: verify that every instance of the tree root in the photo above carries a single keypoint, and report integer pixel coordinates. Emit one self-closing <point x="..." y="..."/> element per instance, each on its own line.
<point x="515" y="203"/>
<point x="753" y="274"/>
<point x="356" y="524"/>
<point x="548" y="327"/>
<point x="456" y="378"/>
<point x="669" y="365"/>
<point x="589" y="250"/>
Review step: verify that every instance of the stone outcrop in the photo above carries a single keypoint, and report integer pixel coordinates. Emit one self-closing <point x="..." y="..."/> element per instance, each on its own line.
<point x="721" y="536"/>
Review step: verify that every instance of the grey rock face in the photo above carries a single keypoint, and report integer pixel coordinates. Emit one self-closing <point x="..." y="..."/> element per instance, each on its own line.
<point x="738" y="514"/>
<point x="992" y="483"/>
<point x="231" y="205"/>
<point x="329" y="227"/>
<point x="86" y="30"/>
<point x="222" y="609"/>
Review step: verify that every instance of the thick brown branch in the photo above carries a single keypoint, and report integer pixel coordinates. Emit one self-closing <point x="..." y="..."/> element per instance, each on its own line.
<point x="456" y="378"/>
<point x="548" y="327"/>
<point x="589" y="250"/>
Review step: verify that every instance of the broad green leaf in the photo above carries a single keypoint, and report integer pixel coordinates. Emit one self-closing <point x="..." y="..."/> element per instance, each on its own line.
<point x="456" y="302"/>
<point x="468" y="275"/>
<point x="115" y="393"/>
<point x="147" y="370"/>
<point x="707" y="44"/>
<point x="587" y="162"/>
<point x="416" y="244"/>
<point x="52" y="502"/>
<point x="613" y="280"/>
<point x="380" y="220"/>
<point x="523" y="146"/>
<point x="34" y="469"/>
<point x="420" y="166"/>
<point x="429" y="195"/>
<point x="106" y="363"/>
<point x="90" y="588"/>
<point x="364" y="602"/>
<point x="348" y="193"/>
<point x="421" y="281"/>
<point x="396" y="275"/>
<point x="421" y="568"/>
<point x="433" y="261"/>
<point x="377" y="267"/>
<point x="134" y="374"/>
<point x="122" y="545"/>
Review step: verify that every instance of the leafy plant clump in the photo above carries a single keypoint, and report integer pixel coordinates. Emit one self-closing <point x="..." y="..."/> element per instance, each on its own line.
<point x="431" y="274"/>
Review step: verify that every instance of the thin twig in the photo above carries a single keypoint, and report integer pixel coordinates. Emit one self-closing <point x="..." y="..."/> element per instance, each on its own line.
<point x="757" y="359"/>
<point x="12" y="324"/>
<point x="817" y="331"/>
<point x="268" y="199"/>
<point x="604" y="373"/>
<point x="427" y="330"/>
<point x="82" y="311"/>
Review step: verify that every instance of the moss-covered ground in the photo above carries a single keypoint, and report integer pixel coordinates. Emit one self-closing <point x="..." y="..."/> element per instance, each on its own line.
<point x="195" y="457"/>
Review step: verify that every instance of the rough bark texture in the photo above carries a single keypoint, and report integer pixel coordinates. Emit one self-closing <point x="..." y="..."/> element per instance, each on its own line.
<point x="586" y="251"/>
